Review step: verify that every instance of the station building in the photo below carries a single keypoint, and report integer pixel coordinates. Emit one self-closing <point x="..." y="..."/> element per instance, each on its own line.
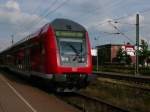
<point x="108" y="53"/>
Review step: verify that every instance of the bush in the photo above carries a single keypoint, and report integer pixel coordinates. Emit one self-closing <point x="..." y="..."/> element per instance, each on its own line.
<point x="123" y="69"/>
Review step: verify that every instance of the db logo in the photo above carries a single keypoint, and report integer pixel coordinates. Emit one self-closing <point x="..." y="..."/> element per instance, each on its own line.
<point x="74" y="69"/>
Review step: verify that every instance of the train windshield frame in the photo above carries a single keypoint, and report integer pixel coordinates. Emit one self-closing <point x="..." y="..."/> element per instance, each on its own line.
<point x="72" y="49"/>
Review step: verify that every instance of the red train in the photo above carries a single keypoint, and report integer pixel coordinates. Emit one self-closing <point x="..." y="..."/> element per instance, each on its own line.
<point x="59" y="52"/>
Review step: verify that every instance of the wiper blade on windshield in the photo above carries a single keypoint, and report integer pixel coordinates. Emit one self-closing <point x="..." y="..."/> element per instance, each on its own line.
<point x="74" y="49"/>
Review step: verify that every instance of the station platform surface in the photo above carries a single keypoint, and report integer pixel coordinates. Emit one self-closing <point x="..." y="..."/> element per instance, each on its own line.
<point x="28" y="99"/>
<point x="9" y="101"/>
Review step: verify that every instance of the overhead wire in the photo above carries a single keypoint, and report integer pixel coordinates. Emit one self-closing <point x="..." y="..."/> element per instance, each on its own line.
<point x="120" y="18"/>
<point x="36" y="9"/>
<point x="49" y="12"/>
<point x="123" y="17"/>
<point x="54" y="10"/>
<point x="115" y="27"/>
<point x="145" y="10"/>
<point x="107" y="4"/>
<point x="45" y="11"/>
<point x="49" y="8"/>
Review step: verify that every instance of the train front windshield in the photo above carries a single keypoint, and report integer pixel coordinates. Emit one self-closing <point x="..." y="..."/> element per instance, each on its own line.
<point x="72" y="51"/>
<point x="71" y="47"/>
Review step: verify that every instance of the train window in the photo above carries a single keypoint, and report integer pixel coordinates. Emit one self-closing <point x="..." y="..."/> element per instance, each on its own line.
<point x="42" y="48"/>
<point x="69" y="34"/>
<point x="72" y="50"/>
<point x="38" y="47"/>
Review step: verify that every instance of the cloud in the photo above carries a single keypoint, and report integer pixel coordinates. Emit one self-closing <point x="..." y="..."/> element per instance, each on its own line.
<point x="19" y="18"/>
<point x="14" y="21"/>
<point x="106" y="26"/>
<point x="132" y="19"/>
<point x="12" y="5"/>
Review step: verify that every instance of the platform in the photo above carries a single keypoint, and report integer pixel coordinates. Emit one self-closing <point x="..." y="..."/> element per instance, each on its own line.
<point x="20" y="97"/>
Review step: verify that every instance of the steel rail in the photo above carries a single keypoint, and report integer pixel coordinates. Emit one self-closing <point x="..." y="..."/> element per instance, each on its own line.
<point x="119" y="76"/>
<point x="91" y="104"/>
<point x="130" y="85"/>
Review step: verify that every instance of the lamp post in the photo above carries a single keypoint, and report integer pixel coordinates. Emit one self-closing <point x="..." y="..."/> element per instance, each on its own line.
<point x="137" y="45"/>
<point x="97" y="63"/>
<point x="12" y="39"/>
<point x="97" y="59"/>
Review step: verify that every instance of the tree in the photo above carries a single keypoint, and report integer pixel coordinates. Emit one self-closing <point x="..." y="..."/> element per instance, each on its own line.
<point x="148" y="59"/>
<point x="119" y="55"/>
<point x="123" y="57"/>
<point x="143" y="52"/>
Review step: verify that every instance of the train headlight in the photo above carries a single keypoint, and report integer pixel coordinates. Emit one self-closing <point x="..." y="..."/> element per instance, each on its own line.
<point x="83" y="59"/>
<point x="65" y="59"/>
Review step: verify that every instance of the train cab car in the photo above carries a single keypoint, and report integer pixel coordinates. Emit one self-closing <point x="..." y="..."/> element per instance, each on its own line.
<point x="59" y="52"/>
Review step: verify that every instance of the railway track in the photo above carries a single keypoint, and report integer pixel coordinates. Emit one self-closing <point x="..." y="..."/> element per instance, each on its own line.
<point x="90" y="104"/>
<point x="131" y="78"/>
<point x="136" y="86"/>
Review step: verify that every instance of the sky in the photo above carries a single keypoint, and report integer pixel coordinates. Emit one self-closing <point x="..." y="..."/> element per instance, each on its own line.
<point x="107" y="21"/>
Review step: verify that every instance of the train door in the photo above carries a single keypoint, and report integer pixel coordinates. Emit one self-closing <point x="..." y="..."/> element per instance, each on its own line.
<point x="27" y="65"/>
<point x="37" y="57"/>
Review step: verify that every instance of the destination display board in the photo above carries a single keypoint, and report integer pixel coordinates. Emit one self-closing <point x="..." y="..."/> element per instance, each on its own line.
<point x="69" y="34"/>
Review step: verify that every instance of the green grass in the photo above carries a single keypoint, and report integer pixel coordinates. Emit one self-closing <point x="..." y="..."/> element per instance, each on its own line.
<point x="133" y="99"/>
<point x="123" y="69"/>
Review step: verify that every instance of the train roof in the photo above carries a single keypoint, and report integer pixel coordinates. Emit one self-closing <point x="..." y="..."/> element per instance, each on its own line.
<point x="66" y="24"/>
<point x="57" y="24"/>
